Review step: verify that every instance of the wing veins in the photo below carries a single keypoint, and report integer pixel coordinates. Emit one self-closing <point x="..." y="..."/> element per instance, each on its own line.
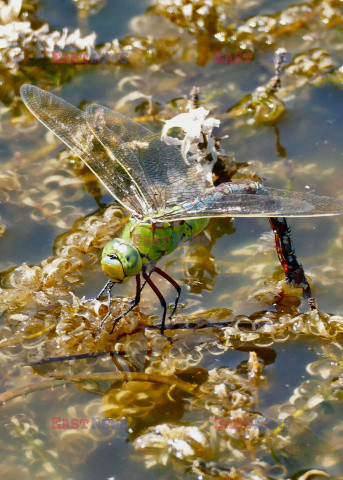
<point x="271" y="203"/>
<point x="82" y="140"/>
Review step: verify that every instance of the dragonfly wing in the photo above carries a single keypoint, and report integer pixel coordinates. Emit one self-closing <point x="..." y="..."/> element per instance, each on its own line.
<point x="110" y="129"/>
<point x="69" y="124"/>
<point x="160" y="168"/>
<point x="271" y="203"/>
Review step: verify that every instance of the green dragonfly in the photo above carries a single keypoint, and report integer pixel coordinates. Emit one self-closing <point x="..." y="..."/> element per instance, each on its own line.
<point x="164" y="192"/>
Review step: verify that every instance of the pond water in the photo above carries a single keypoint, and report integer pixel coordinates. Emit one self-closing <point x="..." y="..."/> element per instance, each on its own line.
<point x="254" y="389"/>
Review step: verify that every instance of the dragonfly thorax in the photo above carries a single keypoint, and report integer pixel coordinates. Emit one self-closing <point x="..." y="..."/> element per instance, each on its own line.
<point x="120" y="260"/>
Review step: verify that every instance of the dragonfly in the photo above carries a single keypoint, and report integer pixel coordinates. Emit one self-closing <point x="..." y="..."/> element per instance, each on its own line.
<point x="164" y="193"/>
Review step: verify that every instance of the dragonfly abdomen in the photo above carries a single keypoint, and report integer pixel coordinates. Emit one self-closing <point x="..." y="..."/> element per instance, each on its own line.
<point x="215" y="195"/>
<point x="243" y="186"/>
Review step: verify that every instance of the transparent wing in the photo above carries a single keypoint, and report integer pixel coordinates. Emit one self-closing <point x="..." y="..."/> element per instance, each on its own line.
<point x="271" y="203"/>
<point x="69" y="124"/>
<point x="170" y="179"/>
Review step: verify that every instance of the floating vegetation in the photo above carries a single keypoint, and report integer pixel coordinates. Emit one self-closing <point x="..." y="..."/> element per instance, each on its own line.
<point x="21" y="40"/>
<point x="179" y="414"/>
<point x="247" y="382"/>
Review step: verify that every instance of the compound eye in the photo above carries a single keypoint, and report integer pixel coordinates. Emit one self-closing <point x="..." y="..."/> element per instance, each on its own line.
<point x="113" y="268"/>
<point x="120" y="260"/>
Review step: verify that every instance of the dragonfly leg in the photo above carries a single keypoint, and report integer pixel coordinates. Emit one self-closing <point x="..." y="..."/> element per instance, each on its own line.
<point x="175" y="285"/>
<point x="132" y="306"/>
<point x="159" y="295"/>
<point x="106" y="288"/>
<point x="294" y="271"/>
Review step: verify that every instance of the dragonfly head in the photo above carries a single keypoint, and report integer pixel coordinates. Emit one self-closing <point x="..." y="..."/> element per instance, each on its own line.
<point x="120" y="260"/>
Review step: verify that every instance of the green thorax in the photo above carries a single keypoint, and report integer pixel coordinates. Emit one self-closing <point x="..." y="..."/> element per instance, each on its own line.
<point x="154" y="240"/>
